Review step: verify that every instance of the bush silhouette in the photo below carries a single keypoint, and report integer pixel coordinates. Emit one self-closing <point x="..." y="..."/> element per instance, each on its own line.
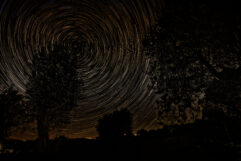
<point x="116" y="124"/>
<point x="11" y="112"/>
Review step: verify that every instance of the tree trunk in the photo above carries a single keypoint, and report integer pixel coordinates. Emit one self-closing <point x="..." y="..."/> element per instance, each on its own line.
<point x="43" y="131"/>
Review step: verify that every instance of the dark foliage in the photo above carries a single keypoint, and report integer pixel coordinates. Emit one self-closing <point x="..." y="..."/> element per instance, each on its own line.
<point x="116" y="124"/>
<point x="194" y="51"/>
<point x="53" y="87"/>
<point x="10" y="109"/>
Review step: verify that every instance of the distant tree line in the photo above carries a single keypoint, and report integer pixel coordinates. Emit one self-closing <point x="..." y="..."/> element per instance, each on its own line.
<point x="114" y="125"/>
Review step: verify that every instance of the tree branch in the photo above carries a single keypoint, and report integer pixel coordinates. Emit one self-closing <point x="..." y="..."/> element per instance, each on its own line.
<point x="209" y="66"/>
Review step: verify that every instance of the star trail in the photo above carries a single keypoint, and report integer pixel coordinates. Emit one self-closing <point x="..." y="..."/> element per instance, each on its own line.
<point x="113" y="67"/>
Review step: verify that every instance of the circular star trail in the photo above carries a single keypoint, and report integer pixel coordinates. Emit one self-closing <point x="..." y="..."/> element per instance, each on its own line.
<point x="113" y="69"/>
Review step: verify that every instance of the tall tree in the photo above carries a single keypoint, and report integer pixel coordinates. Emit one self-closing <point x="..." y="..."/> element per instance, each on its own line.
<point x="194" y="51"/>
<point x="53" y="87"/>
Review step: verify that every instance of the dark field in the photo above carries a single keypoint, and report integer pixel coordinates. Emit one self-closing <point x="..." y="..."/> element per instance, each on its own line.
<point x="183" y="143"/>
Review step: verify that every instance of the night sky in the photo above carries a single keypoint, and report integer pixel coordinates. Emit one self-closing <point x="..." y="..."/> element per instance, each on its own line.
<point x="113" y="68"/>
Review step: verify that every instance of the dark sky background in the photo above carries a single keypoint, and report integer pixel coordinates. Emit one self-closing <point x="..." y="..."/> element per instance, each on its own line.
<point x="114" y="70"/>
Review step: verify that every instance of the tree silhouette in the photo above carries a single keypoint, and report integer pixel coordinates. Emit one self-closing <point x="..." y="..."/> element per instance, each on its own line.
<point x="116" y="124"/>
<point x="142" y="133"/>
<point x="10" y="111"/>
<point x="53" y="87"/>
<point x="194" y="51"/>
